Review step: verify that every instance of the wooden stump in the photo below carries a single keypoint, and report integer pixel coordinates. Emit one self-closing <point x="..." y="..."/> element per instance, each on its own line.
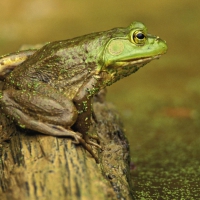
<point x="35" y="166"/>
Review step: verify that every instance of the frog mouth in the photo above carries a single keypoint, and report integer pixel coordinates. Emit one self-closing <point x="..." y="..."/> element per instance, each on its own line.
<point x="136" y="61"/>
<point x="123" y="68"/>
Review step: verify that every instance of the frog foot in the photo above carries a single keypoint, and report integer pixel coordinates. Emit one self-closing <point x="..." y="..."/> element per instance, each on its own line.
<point x="88" y="148"/>
<point x="88" y="141"/>
<point x="76" y="135"/>
<point x="79" y="140"/>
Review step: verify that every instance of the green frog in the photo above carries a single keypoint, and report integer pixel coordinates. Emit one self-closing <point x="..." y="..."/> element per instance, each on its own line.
<point x="50" y="90"/>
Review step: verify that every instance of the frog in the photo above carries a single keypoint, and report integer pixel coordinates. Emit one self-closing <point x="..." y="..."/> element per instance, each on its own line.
<point x="51" y="89"/>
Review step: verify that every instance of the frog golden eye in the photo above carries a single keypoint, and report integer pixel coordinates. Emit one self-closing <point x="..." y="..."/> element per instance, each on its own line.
<point x="138" y="37"/>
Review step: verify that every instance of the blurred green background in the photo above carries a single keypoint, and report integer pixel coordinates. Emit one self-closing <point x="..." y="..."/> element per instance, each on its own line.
<point x="159" y="105"/>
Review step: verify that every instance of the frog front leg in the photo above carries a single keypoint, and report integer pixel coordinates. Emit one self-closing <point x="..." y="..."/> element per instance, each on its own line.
<point x="83" y="103"/>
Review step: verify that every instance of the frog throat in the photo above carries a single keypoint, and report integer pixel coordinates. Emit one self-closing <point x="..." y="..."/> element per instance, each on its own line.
<point x="124" y="68"/>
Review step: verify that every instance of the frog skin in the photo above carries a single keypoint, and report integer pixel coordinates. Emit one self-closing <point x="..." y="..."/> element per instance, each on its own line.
<point x="10" y="61"/>
<point x="51" y="91"/>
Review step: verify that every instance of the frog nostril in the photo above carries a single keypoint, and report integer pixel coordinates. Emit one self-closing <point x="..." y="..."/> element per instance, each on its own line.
<point x="157" y="39"/>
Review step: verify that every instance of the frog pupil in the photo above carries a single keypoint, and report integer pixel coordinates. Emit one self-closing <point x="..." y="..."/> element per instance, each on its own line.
<point x="140" y="36"/>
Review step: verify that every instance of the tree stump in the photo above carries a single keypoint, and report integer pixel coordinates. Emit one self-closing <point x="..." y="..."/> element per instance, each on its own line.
<point x="35" y="166"/>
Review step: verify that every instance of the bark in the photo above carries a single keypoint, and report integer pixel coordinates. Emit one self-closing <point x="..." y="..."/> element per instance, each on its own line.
<point x="35" y="166"/>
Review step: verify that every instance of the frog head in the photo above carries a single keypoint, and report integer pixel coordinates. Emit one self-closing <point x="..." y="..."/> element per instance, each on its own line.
<point x="128" y="50"/>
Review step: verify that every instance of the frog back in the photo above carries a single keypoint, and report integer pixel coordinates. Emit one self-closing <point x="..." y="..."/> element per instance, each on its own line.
<point x="65" y="65"/>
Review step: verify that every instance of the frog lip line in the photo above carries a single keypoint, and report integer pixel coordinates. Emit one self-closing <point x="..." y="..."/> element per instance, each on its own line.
<point x="139" y="60"/>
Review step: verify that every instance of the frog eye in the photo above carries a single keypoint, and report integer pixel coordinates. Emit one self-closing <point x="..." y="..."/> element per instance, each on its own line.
<point x="138" y="37"/>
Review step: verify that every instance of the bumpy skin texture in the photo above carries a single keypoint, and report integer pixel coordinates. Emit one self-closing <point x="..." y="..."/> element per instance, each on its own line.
<point x="10" y="61"/>
<point x="51" y="91"/>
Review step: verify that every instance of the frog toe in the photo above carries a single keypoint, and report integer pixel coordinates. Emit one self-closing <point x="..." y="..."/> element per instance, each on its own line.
<point x="94" y="137"/>
<point x="94" y="144"/>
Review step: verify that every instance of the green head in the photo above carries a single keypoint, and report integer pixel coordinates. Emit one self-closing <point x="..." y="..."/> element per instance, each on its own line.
<point x="130" y="49"/>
